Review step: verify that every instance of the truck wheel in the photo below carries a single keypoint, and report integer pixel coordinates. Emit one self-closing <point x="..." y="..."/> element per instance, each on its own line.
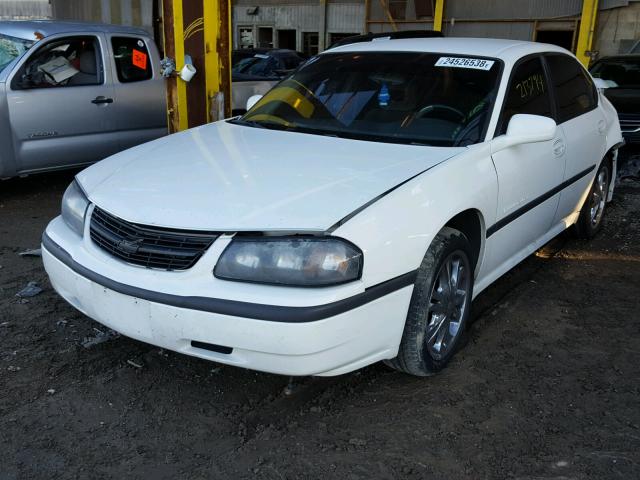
<point x="439" y="307"/>
<point x="592" y="212"/>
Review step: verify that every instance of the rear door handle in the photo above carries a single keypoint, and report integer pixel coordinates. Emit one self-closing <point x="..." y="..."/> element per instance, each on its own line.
<point x="559" y="148"/>
<point x="101" y="100"/>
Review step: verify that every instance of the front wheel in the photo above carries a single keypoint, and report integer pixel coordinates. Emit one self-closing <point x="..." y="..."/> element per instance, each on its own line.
<point x="439" y="308"/>
<point x="592" y="212"/>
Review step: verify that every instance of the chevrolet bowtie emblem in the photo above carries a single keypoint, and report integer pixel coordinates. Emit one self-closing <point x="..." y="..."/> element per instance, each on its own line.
<point x="130" y="246"/>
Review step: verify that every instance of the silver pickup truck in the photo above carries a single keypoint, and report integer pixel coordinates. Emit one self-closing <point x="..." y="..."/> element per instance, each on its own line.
<point x="74" y="93"/>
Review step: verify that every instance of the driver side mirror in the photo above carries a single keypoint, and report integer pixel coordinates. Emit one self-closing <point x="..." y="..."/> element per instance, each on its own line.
<point x="253" y="99"/>
<point x="524" y="128"/>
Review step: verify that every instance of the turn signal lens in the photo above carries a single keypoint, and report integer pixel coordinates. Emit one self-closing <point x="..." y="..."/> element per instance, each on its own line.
<point x="74" y="207"/>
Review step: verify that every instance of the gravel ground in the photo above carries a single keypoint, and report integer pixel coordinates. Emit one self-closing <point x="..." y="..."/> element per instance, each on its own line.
<point x="547" y="386"/>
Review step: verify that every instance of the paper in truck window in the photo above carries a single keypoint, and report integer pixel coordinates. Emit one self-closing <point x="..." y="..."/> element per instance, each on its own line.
<point x="59" y="69"/>
<point x="462" y="62"/>
<point x="139" y="59"/>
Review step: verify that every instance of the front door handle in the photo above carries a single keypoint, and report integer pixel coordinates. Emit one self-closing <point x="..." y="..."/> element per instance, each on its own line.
<point x="100" y="100"/>
<point x="559" y="148"/>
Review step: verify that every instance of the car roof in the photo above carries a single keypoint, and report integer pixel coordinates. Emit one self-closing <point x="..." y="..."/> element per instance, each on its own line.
<point x="507" y="50"/>
<point x="35" y="29"/>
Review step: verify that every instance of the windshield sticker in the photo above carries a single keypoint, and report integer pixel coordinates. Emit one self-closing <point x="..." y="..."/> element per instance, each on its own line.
<point x="461" y="62"/>
<point x="139" y="59"/>
<point x="384" y="96"/>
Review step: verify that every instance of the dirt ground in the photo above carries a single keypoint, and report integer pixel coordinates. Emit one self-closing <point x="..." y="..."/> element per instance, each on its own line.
<point x="547" y="386"/>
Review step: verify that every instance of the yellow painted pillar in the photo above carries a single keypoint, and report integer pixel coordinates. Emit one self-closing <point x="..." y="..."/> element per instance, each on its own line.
<point x="438" y="13"/>
<point x="201" y="29"/>
<point x="218" y="43"/>
<point x="586" y="31"/>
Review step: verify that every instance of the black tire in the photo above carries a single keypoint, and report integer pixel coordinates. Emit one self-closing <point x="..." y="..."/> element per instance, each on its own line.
<point x="415" y="356"/>
<point x="587" y="226"/>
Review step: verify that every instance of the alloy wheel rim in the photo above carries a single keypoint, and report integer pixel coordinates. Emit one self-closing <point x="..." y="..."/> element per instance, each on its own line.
<point x="447" y="304"/>
<point x="598" y="197"/>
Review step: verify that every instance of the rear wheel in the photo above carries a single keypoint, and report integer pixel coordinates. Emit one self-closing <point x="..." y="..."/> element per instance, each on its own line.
<point x="439" y="306"/>
<point x="590" y="219"/>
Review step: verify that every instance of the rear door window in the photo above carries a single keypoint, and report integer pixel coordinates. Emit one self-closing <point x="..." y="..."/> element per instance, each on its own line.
<point x="574" y="90"/>
<point x="528" y="93"/>
<point x="133" y="63"/>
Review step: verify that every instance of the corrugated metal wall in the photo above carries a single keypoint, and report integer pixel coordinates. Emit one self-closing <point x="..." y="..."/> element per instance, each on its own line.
<point x="138" y="13"/>
<point x="520" y="9"/>
<point x="345" y="18"/>
<point x="24" y="9"/>
<point x="513" y="31"/>
<point x="341" y="18"/>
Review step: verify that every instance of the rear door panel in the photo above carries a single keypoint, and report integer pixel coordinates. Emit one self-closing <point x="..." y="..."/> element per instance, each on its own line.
<point x="584" y="126"/>
<point x="140" y="106"/>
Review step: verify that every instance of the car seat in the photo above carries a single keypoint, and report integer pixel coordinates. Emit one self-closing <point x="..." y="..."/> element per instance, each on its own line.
<point x="88" y="73"/>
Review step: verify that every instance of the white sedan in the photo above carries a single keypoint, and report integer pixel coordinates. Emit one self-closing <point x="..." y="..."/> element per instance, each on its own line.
<point x="350" y="216"/>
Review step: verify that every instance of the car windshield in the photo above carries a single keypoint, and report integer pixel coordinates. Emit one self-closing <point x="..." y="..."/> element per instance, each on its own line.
<point x="414" y="98"/>
<point x="624" y="72"/>
<point x="259" y="65"/>
<point x="12" y="48"/>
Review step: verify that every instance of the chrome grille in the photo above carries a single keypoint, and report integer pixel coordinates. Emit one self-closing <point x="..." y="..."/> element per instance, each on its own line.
<point x="148" y="246"/>
<point x="629" y="122"/>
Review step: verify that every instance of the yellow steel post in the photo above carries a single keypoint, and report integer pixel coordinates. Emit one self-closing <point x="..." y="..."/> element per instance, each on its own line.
<point x="202" y="29"/>
<point x="178" y="34"/>
<point x="587" y="28"/>
<point x="217" y="38"/>
<point x="438" y="13"/>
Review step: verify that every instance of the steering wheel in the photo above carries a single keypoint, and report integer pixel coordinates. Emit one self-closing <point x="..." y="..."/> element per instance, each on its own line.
<point x="438" y="106"/>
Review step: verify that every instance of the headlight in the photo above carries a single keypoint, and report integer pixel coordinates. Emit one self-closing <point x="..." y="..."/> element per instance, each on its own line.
<point x="303" y="262"/>
<point x="74" y="207"/>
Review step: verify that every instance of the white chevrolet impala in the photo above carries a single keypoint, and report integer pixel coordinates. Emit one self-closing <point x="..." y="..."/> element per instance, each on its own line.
<point x="350" y="216"/>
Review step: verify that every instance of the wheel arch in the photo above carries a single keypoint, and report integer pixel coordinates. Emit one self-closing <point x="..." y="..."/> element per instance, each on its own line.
<point x="612" y="158"/>
<point x="471" y="223"/>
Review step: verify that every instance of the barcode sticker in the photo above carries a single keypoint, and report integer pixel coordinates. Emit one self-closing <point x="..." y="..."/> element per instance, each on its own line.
<point x="462" y="62"/>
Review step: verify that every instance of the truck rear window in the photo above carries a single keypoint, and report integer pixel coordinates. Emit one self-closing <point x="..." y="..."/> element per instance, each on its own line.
<point x="132" y="59"/>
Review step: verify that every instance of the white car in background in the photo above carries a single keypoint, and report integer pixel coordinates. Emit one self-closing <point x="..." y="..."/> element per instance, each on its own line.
<point x="350" y="216"/>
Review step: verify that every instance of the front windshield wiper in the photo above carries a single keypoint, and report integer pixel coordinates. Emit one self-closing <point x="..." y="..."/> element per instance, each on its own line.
<point x="256" y="124"/>
<point x="280" y="126"/>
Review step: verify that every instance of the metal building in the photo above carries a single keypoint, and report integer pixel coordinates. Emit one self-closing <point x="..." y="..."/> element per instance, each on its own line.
<point x="307" y="26"/>
<point x="310" y="25"/>
<point x="139" y="13"/>
<point x="551" y="21"/>
<point x="24" y="9"/>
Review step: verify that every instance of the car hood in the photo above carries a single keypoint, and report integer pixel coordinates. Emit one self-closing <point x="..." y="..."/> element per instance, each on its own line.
<point x="625" y="100"/>
<point x="227" y="177"/>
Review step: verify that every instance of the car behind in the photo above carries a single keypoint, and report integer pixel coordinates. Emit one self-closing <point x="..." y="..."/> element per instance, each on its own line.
<point x="622" y="76"/>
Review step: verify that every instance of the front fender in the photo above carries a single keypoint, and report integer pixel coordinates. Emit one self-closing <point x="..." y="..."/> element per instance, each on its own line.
<point x="614" y="134"/>
<point x="395" y="232"/>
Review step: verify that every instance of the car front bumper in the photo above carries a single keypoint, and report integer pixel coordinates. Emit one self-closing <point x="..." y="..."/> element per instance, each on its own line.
<point x="305" y="339"/>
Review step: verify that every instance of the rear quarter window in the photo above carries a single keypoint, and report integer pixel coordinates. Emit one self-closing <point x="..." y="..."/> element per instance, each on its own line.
<point x="574" y="90"/>
<point x="131" y="56"/>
